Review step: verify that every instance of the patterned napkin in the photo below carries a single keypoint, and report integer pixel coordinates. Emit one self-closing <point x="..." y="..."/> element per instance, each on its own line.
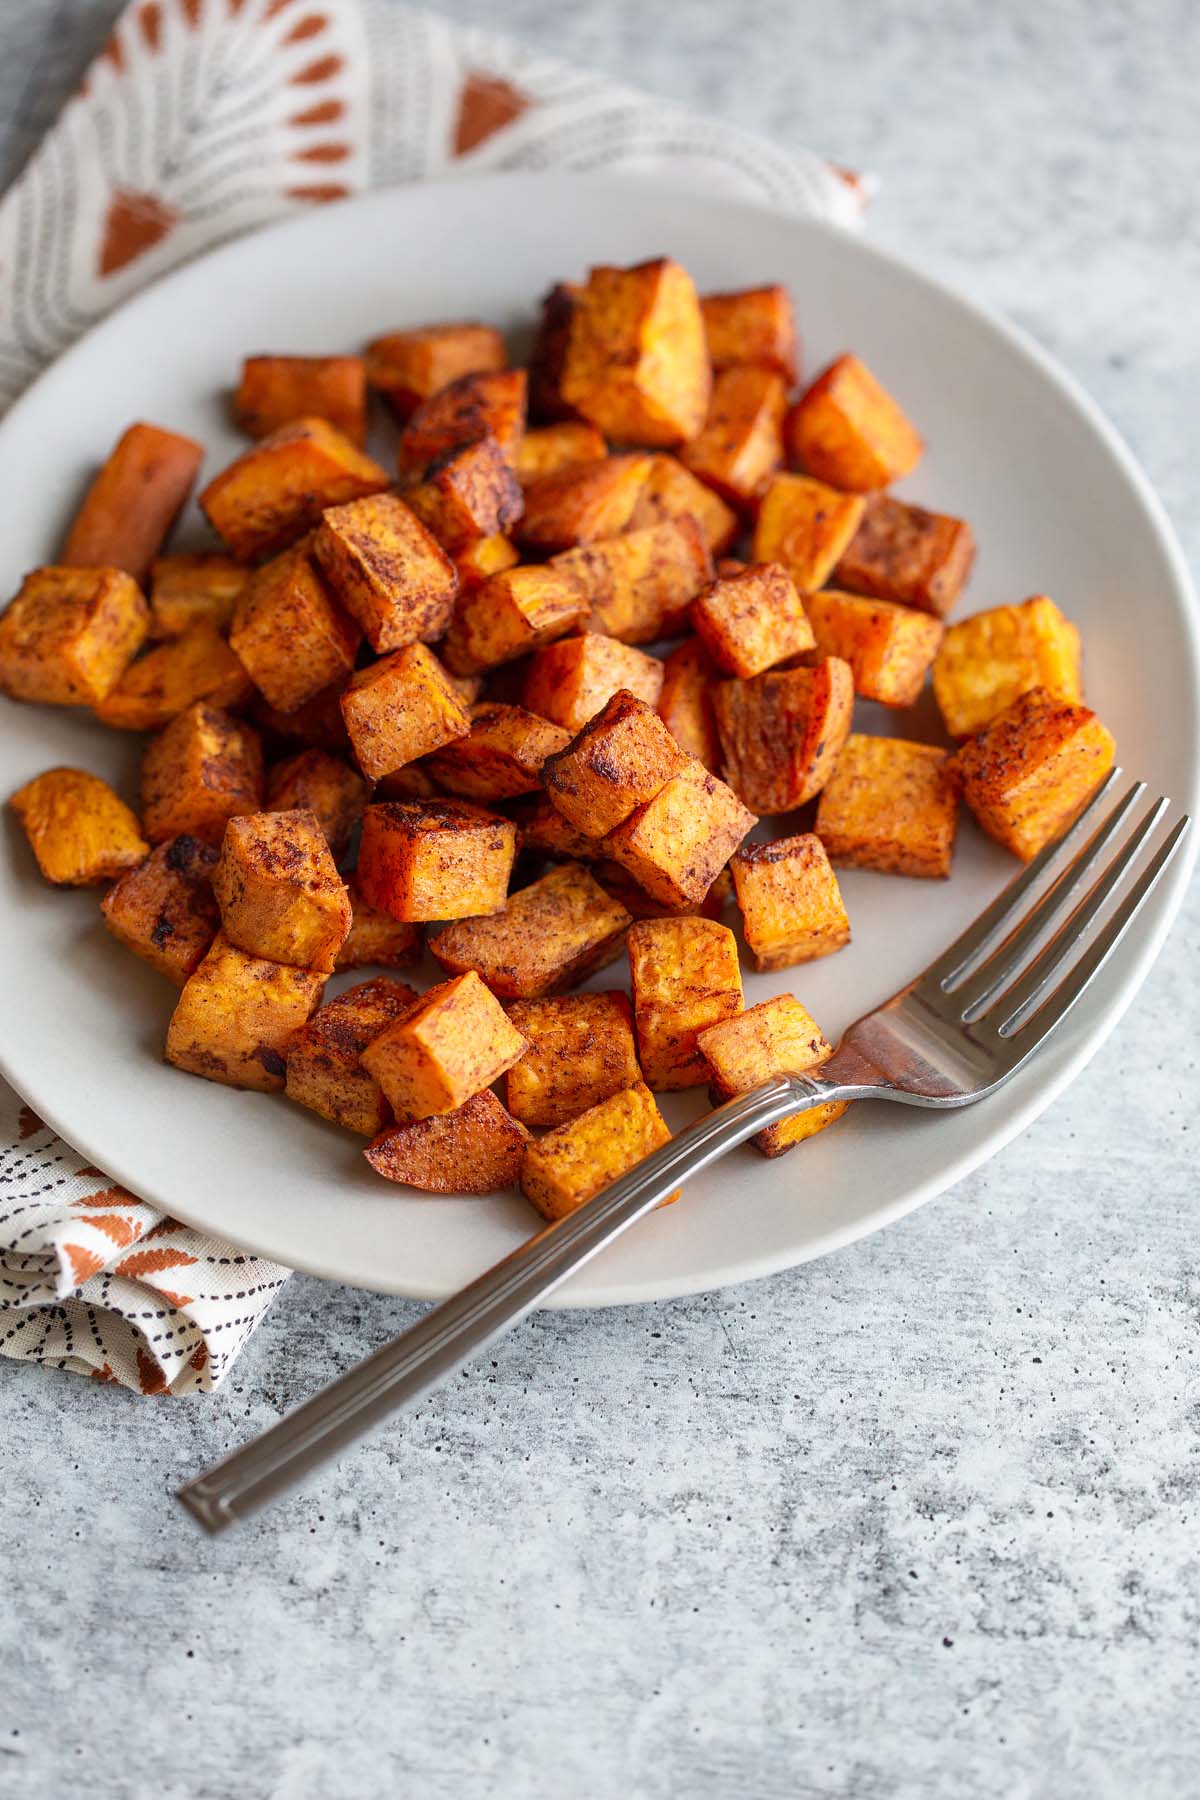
<point x="199" y="120"/>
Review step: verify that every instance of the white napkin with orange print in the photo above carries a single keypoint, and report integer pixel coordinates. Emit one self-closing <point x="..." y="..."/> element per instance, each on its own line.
<point x="199" y="120"/>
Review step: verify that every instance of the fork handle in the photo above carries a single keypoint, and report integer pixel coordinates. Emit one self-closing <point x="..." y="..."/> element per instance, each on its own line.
<point x="458" y="1328"/>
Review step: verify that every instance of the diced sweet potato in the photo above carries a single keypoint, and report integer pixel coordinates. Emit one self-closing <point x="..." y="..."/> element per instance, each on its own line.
<point x="1028" y="773"/>
<point x="777" y="1037"/>
<point x="889" y="648"/>
<point x="553" y="447"/>
<point x="636" y="362"/>
<point x="435" y="859"/>
<point x="70" y="634"/>
<point x="791" y="906"/>
<point x="165" y="911"/>
<point x="890" y="805"/>
<point x="541" y="827"/>
<point x="550" y="935"/>
<point x="236" y="1017"/>
<point x="134" y="501"/>
<point x="806" y="526"/>
<point x="752" y="620"/>
<point x="402" y="707"/>
<point x="455" y="1042"/>
<point x="486" y="557"/>
<point x="672" y="492"/>
<point x="549" y="352"/>
<point x="582" y="503"/>
<point x="468" y="494"/>
<point x="195" y="588"/>
<point x="324" y="785"/>
<point x="274" y="390"/>
<point x="754" y="325"/>
<point x="476" y="1149"/>
<point x="377" y="940"/>
<point x="511" y="613"/>
<point x="676" y="845"/>
<point x="501" y="756"/>
<point x="289" y="633"/>
<point x="639" y="585"/>
<point x="906" y="554"/>
<point x="781" y="732"/>
<point x="619" y="759"/>
<point x="470" y="407"/>
<point x="988" y="661"/>
<point x="197" y="666"/>
<point x="685" y="704"/>
<point x="387" y="570"/>
<point x="581" y="1050"/>
<point x="79" y="831"/>
<point x="571" y="1164"/>
<point x="619" y="883"/>
<point x="569" y="682"/>
<point x="741" y="444"/>
<point x="323" y="1068"/>
<point x="279" y="891"/>
<point x="847" y="430"/>
<point x="408" y="367"/>
<point x="685" y="977"/>
<point x="277" y="490"/>
<point x="318" y="723"/>
<point x="200" y="771"/>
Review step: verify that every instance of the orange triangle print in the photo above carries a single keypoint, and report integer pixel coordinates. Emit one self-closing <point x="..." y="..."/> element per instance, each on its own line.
<point x="485" y="106"/>
<point x="133" y="224"/>
<point x="84" y="1263"/>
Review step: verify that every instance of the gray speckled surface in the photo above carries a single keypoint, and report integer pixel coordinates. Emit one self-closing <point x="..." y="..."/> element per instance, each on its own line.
<point x="917" y="1520"/>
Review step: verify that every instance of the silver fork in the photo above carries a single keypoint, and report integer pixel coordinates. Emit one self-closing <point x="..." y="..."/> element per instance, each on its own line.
<point x="953" y="1036"/>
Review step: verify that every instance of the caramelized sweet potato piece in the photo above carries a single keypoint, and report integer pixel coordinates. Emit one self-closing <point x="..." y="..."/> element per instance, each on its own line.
<point x="847" y="430"/>
<point x="890" y="805"/>
<point x="200" y="771"/>
<point x="237" y="1015"/>
<point x="549" y="351"/>
<point x="322" y="784"/>
<point x="582" y="503"/>
<point x="165" y="911"/>
<point x="324" y="1072"/>
<point x="274" y="390"/>
<point x="549" y="936"/>
<point x="777" y="1037"/>
<point x="672" y="492"/>
<point x="470" y="407"/>
<point x="550" y="448"/>
<point x="476" y="1149"/>
<point x="619" y="759"/>
<point x="409" y="367"/>
<point x="501" y="756"/>
<point x="479" y="561"/>
<point x="752" y="620"/>
<point x="889" y="648"/>
<point x="70" y="634"/>
<point x="468" y="494"/>
<point x="289" y="633"/>
<point x="134" y="501"/>
<point x="80" y="832"/>
<point x="581" y="1050"/>
<point x="277" y="490"/>
<point x="197" y="666"/>
<point x="676" y="845"/>
<point x="636" y="362"/>
<point x="639" y="585"/>
<point x="791" y="906"/>
<point x="781" y="732"/>
<point x="805" y="526"/>
<point x="435" y="859"/>
<point x="279" y="891"/>
<point x="906" y="554"/>
<point x="1030" y="770"/>
<point x="685" y="977"/>
<point x="387" y="570"/>
<point x="402" y="707"/>
<point x="512" y="613"/>
<point x="685" y="704"/>
<point x="988" y="661"/>
<point x="377" y="940"/>
<point x="741" y="444"/>
<point x="569" y="1165"/>
<point x="456" y="1041"/>
<point x="570" y="681"/>
<point x="753" y="325"/>
<point x="194" y="588"/>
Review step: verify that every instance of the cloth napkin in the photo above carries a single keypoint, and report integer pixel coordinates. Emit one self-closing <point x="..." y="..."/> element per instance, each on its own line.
<point x="199" y="120"/>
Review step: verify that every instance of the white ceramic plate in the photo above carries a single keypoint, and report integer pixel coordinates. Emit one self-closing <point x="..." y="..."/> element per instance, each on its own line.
<point x="1058" y="506"/>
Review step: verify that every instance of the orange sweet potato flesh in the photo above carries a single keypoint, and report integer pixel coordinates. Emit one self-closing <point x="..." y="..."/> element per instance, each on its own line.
<point x="70" y="634"/>
<point x="781" y="732"/>
<point x="455" y="1043"/>
<point x="279" y="891"/>
<point x="197" y="666"/>
<point x="236" y="1016"/>
<point x="408" y="367"/>
<point x="1028" y="773"/>
<point x="472" y="407"/>
<point x="277" y="490"/>
<point x="890" y="805"/>
<point x="570" y="1164"/>
<point x="165" y="911"/>
<point x="134" y="501"/>
<point x="476" y="1149"/>
<point x="324" y="1072"/>
<point x="80" y="831"/>
<point x="435" y="859"/>
<point x="276" y="389"/>
<point x="200" y="771"/>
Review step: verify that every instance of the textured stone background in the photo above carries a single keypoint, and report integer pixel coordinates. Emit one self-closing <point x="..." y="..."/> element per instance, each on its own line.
<point x="920" y="1520"/>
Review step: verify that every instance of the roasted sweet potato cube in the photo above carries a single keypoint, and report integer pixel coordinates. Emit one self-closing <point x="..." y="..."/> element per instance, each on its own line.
<point x="752" y="620"/>
<point x="672" y="492"/>
<point x="685" y="704"/>
<point x="470" y="407"/>
<point x="619" y="759"/>
<point x="805" y="526"/>
<point x="324" y="1072"/>
<point x="318" y="723"/>
<point x="890" y="805"/>
<point x="676" y="845"/>
<point x="435" y="859"/>
<point x="581" y="1050"/>
<point x="165" y="911"/>
<point x="198" y="587"/>
<point x="685" y="977"/>
<point x="741" y="444"/>
<point x="387" y="570"/>
<point x="541" y="827"/>
<point x="277" y="490"/>
<point x="569" y="682"/>
<point x="781" y="732"/>
<point x="906" y="554"/>
<point x="237" y="1015"/>
<point x="402" y="707"/>
<point x="468" y="494"/>
<point x="324" y="785"/>
<point x="889" y="648"/>
<point x="408" y="367"/>
<point x="169" y="678"/>
<point x="200" y="771"/>
<point x="753" y="325"/>
<point x="501" y="756"/>
<point x="791" y="906"/>
<point x="274" y="390"/>
<point x="988" y="661"/>
<point x="289" y="633"/>
<point x="1028" y="773"/>
<point x="377" y="940"/>
<point x="776" y="1037"/>
<point x="511" y="613"/>
<point x="636" y="362"/>
<point x="548" y="353"/>
<point x="550" y="448"/>
<point x="70" y="634"/>
<point x="489" y="556"/>
<point x="455" y="1042"/>
<point x="476" y="1149"/>
<point x="582" y="503"/>
<point x="134" y="501"/>
<point x="569" y="1165"/>
<point x="619" y="883"/>
<point x="550" y="935"/>
<point x="847" y="430"/>
<point x="279" y="891"/>
<point x="80" y="832"/>
<point x="639" y="585"/>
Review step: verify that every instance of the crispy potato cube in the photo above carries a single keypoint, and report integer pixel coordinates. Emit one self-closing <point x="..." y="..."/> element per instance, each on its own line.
<point x="569" y="682"/>
<point x="741" y="445"/>
<point x="847" y="430"/>
<point x="70" y="635"/>
<point x="1028" y="773"/>
<point x="571" y="1164"/>
<point x="279" y="891"/>
<point x="435" y="859"/>
<point x="513" y="612"/>
<point x="550" y="448"/>
<point x="541" y="827"/>
<point x="549" y="936"/>
<point x="165" y="911"/>
<point x="685" y="977"/>
<point x="549" y="352"/>
<point x="315" y="781"/>
<point x="323" y="1068"/>
<point x="791" y="906"/>
<point x="470" y="407"/>
<point x="455" y="1042"/>
<point x="274" y="390"/>
<point x="889" y="648"/>
<point x="377" y="940"/>
<point x="754" y="325"/>
<point x="581" y="1050"/>
<point x="195" y="588"/>
<point x="402" y="707"/>
<point x="906" y="554"/>
<point x="200" y="771"/>
<point x="619" y="883"/>
<point x="277" y="490"/>
<point x="409" y="367"/>
<point x="805" y="526"/>
<point x="79" y="831"/>
<point x="988" y="661"/>
<point x="468" y="494"/>
<point x="685" y="704"/>
<point x="488" y="556"/>
<point x="582" y="503"/>
<point x="169" y="678"/>
<point x="672" y="492"/>
<point x="289" y="633"/>
<point x="776" y="1037"/>
<point x="237" y="1015"/>
<point x="636" y="362"/>
<point x="890" y="805"/>
<point x="318" y="723"/>
<point x="781" y="732"/>
<point x="639" y="585"/>
<point x="752" y="620"/>
<point x="676" y="845"/>
<point x="387" y="570"/>
<point x="619" y="759"/>
<point x="501" y="756"/>
<point x="134" y="501"/>
<point x="476" y="1149"/>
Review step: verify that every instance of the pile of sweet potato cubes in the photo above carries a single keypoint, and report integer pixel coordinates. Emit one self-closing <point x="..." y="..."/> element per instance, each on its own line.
<point x="423" y="679"/>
